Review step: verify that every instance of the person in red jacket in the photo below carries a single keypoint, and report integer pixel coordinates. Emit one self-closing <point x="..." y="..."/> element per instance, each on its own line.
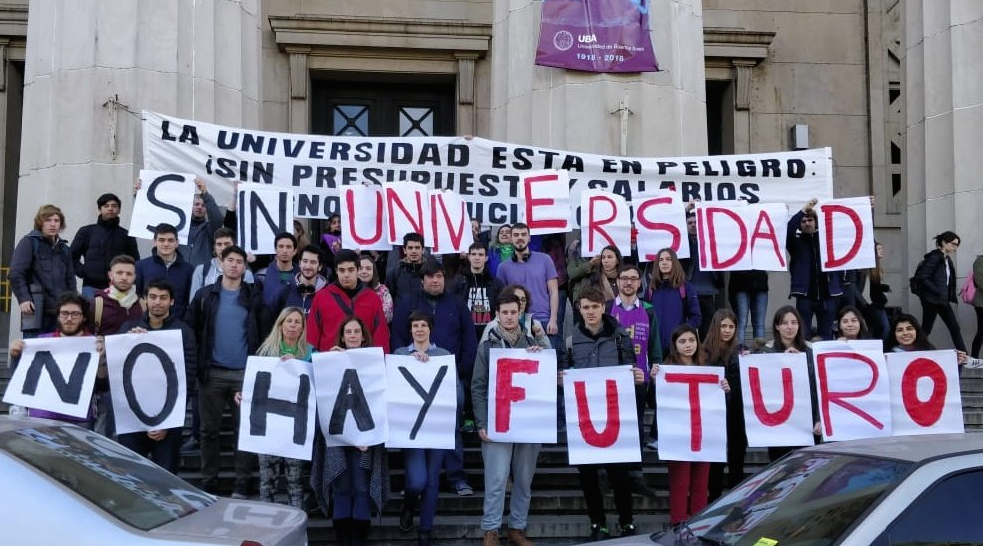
<point x="345" y="297"/>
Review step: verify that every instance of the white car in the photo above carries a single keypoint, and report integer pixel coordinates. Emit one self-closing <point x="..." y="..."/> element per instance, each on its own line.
<point x="912" y="490"/>
<point x="61" y="484"/>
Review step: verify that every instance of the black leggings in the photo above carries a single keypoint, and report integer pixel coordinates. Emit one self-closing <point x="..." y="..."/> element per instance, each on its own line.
<point x="943" y="311"/>
<point x="978" y="338"/>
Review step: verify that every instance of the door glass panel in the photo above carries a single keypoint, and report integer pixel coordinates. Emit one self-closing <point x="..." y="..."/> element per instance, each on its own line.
<point x="415" y="121"/>
<point x="351" y="120"/>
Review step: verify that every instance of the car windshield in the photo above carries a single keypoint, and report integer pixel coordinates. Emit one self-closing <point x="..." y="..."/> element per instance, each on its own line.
<point x="806" y="498"/>
<point x="120" y="482"/>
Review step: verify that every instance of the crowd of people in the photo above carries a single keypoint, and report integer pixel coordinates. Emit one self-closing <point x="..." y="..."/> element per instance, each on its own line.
<point x="509" y="290"/>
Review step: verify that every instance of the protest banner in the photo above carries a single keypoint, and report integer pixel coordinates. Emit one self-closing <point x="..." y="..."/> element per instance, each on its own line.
<point x="853" y="392"/>
<point x="351" y="396"/>
<point x="521" y="390"/>
<point x="422" y="402"/>
<point x="777" y="399"/>
<point x="602" y="423"/>
<point x="263" y="213"/>
<point x="450" y="222"/>
<point x="364" y="218"/>
<point x="607" y="221"/>
<point x="739" y="237"/>
<point x="148" y="381"/>
<point x="546" y="200"/>
<point x="692" y="413"/>
<point x="408" y="211"/>
<point x="163" y="197"/>
<point x="660" y="218"/>
<point x="55" y="374"/>
<point x="487" y="174"/>
<point x="611" y="36"/>
<point x="847" y="228"/>
<point x="276" y="416"/>
<point x="925" y="393"/>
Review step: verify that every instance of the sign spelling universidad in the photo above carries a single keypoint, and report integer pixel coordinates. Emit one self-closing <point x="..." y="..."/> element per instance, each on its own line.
<point x="661" y="216"/>
<point x="607" y="222"/>
<point x="692" y="413"/>
<point x="422" y="402"/>
<point x="486" y="174"/>
<point x="55" y="374"/>
<point x="847" y="229"/>
<point x="351" y="395"/>
<point x="596" y="36"/>
<point x="521" y="391"/>
<point x="736" y="237"/>
<point x="148" y="383"/>
<point x="278" y="408"/>
<point x="602" y="423"/>
<point x="163" y="197"/>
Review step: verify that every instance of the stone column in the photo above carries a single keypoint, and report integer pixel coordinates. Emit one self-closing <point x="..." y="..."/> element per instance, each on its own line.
<point x="571" y="110"/>
<point x="92" y="66"/>
<point x="943" y="94"/>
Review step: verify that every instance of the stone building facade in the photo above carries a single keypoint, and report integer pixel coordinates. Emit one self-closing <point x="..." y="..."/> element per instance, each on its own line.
<point x="890" y="85"/>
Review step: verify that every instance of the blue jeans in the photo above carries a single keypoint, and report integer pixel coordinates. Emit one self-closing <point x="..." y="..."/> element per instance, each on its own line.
<point x="423" y="480"/>
<point x="825" y="313"/>
<point x="755" y="303"/>
<point x="164" y="453"/>
<point x="354" y="502"/>
<point x="500" y="459"/>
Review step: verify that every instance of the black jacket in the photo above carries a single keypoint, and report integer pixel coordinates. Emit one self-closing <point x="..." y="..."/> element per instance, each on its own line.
<point x="612" y="346"/>
<point x="931" y="277"/>
<point x="201" y="318"/>
<point x="187" y="337"/>
<point x="95" y="245"/>
<point x="45" y="266"/>
<point x="404" y="281"/>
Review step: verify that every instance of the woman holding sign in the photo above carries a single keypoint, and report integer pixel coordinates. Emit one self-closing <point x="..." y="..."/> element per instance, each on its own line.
<point x="851" y="325"/>
<point x="722" y="348"/>
<point x="906" y="335"/>
<point x="422" y="465"/>
<point x="351" y="480"/>
<point x="688" y="481"/>
<point x="789" y="338"/>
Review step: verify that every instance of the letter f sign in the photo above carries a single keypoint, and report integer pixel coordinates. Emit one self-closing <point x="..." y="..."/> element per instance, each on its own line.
<point x="506" y="393"/>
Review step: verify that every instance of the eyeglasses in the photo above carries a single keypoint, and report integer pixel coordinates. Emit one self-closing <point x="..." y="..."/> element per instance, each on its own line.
<point x="70" y="314"/>
<point x="629" y="279"/>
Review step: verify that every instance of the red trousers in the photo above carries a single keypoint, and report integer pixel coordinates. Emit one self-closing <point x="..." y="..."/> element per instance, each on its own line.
<point x="687" y="489"/>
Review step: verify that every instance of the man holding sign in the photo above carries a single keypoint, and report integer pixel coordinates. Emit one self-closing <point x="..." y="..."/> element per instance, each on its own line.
<point x="816" y="292"/>
<point x="501" y="458"/>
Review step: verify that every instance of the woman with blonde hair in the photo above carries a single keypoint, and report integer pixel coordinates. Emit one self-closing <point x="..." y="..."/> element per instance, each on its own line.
<point x="41" y="270"/>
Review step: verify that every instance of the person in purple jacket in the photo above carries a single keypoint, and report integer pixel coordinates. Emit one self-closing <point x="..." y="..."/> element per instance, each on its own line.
<point x="673" y="297"/>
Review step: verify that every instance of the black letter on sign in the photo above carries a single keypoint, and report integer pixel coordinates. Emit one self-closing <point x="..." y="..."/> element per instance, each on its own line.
<point x="425" y="395"/>
<point x="152" y="197"/>
<point x="264" y="405"/>
<point x="256" y="207"/>
<point x="351" y="398"/>
<point x="170" y="376"/>
<point x="69" y="391"/>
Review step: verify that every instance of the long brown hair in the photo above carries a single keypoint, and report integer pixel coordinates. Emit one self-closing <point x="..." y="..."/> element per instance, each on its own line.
<point x="717" y="350"/>
<point x="673" y="357"/>
<point x="366" y="335"/>
<point x="676" y="275"/>
<point x="876" y="273"/>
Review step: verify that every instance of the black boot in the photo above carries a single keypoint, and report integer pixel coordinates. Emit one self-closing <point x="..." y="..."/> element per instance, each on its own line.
<point x="360" y="532"/>
<point x="406" y="515"/>
<point x="423" y="538"/>
<point x="343" y="531"/>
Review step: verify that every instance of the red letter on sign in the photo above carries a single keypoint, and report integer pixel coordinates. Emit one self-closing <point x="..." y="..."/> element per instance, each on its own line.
<point x="648" y="224"/>
<point x="858" y="230"/>
<point x="456" y="235"/>
<point x="505" y="392"/>
<point x="768" y="234"/>
<point x="531" y="203"/>
<point x="417" y="222"/>
<point x="712" y="230"/>
<point x="350" y="203"/>
<point x="594" y="225"/>
<point x="695" y="415"/>
<point x="767" y="418"/>
<point x="609" y="435"/>
<point x="839" y="398"/>
<point x="929" y="412"/>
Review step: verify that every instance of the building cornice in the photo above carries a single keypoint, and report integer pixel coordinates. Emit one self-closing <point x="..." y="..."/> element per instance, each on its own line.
<point x="311" y="32"/>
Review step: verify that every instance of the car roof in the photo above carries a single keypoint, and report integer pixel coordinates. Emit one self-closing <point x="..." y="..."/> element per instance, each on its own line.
<point x="908" y="448"/>
<point x="8" y="423"/>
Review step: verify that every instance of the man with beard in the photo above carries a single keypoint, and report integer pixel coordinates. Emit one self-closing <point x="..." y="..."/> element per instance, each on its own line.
<point x="816" y="292"/>
<point x="206" y="217"/>
<point x="346" y="297"/>
<point x="281" y="271"/>
<point x="536" y="272"/>
<point x="307" y="282"/>
<point x="166" y="262"/>
<point x="95" y="245"/>
<point x="404" y="280"/>
<point x="478" y="289"/>
<point x="162" y="446"/>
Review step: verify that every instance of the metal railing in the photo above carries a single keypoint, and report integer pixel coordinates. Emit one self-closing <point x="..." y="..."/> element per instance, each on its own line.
<point x="5" y="295"/>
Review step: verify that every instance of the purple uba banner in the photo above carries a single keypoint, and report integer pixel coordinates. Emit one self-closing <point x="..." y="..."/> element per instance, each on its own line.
<point x="596" y="36"/>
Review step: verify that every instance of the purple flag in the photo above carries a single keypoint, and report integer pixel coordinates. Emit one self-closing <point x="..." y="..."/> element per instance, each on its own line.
<point x="596" y="36"/>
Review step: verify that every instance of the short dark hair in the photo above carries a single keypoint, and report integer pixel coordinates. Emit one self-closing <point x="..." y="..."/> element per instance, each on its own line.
<point x="164" y="228"/>
<point x="224" y="232"/>
<point x="413" y="236"/>
<point x="591" y="294"/>
<point x="477" y="245"/>
<point x="234" y="249"/>
<point x="520" y="226"/>
<point x="122" y="259"/>
<point x="506" y="297"/>
<point x="421" y="315"/>
<point x="73" y="298"/>
<point x="345" y="255"/>
<point x="630" y="267"/>
<point x="431" y="267"/>
<point x="946" y="237"/>
<point x="162" y="284"/>
<point x="313" y="249"/>
<point x="285" y="235"/>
